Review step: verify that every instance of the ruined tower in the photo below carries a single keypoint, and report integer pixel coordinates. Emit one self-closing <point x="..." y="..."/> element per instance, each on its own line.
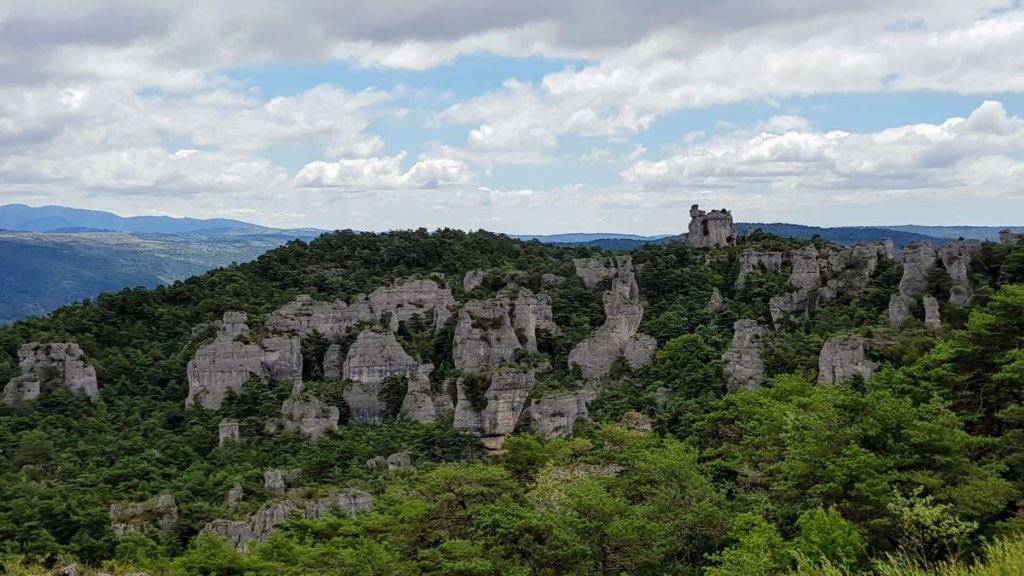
<point x="710" y="229"/>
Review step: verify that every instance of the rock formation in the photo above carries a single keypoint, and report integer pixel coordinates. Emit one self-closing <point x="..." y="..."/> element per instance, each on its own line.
<point x="275" y="481"/>
<point x="549" y="279"/>
<point x="715" y="302"/>
<point x="259" y="526"/>
<point x="617" y="338"/>
<point x="532" y="312"/>
<point x="710" y="229"/>
<point x="633" y="420"/>
<point x="593" y="271"/>
<point x="422" y="403"/>
<point x="842" y="358"/>
<point x="932" y="319"/>
<point x="753" y="261"/>
<point x="899" y="309"/>
<point x="399" y="461"/>
<point x="484" y="336"/>
<point x="228" y="362"/>
<point x="234" y="498"/>
<point x="1008" y="237"/>
<point x="371" y="361"/>
<point x="159" y="513"/>
<point x="918" y="259"/>
<point x="741" y="362"/>
<point x="307" y="415"/>
<point x="227" y="431"/>
<point x="304" y="317"/>
<point x="472" y="280"/>
<point x="554" y="416"/>
<point x="59" y="364"/>
<point x="956" y="259"/>
<point x="504" y="400"/>
<point x="407" y="298"/>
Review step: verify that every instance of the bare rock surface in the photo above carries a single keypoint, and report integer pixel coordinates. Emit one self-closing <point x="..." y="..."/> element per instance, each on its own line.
<point x="756" y="261"/>
<point x="407" y="298"/>
<point x="371" y="360"/>
<point x="1008" y="237"/>
<point x="60" y="364"/>
<point x="531" y="313"/>
<point x="473" y="280"/>
<point x="422" y="403"/>
<point x="227" y="431"/>
<point x="159" y="513"/>
<point x="715" y="301"/>
<point x="741" y="362"/>
<point x="956" y="259"/>
<point x="932" y="318"/>
<point x="555" y="416"/>
<point x="484" y="335"/>
<point x="304" y="317"/>
<point x="918" y="259"/>
<point x="593" y="271"/>
<point x="505" y="397"/>
<point x="842" y="358"/>
<point x="308" y="415"/>
<point x="712" y="229"/>
<point x="899" y="309"/>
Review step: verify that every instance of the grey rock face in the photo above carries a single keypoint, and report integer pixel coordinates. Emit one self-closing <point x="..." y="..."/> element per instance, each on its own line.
<point x="472" y="280"/>
<point x="484" y="336"/>
<point x="532" y="312"/>
<point x="956" y="259"/>
<point x="715" y="302"/>
<point x="371" y="360"/>
<point x="304" y="317"/>
<point x="308" y="415"/>
<point x="742" y="363"/>
<point x="713" y="229"/>
<point x="400" y="461"/>
<point x="56" y="364"/>
<point x="506" y="399"/>
<point x="754" y="261"/>
<point x="842" y="358"/>
<point x="234" y="498"/>
<point x="422" y="403"/>
<point x="1008" y="237"/>
<point x="899" y="309"/>
<point x="918" y="259"/>
<point x="274" y="482"/>
<point x="932" y="319"/>
<point x="226" y="364"/>
<point x="554" y="416"/>
<point x="408" y="298"/>
<point x="593" y="271"/>
<point x="259" y="526"/>
<point x="227" y="431"/>
<point x="549" y="279"/>
<point x="159" y="513"/>
<point x="617" y="338"/>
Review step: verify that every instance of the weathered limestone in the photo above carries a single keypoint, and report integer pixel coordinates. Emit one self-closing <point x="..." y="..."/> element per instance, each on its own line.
<point x="399" y="461"/>
<point x="227" y="431"/>
<point x="713" y="229"/>
<point x="484" y="336"/>
<point x="473" y="280"/>
<point x="407" y="298"/>
<point x="842" y="358"/>
<point x="593" y="271"/>
<point x="1008" y="237"/>
<point x="741" y="362"/>
<point x="753" y="261"/>
<point x="554" y="416"/>
<point x="227" y="363"/>
<point x="549" y="279"/>
<point x="617" y="338"/>
<point x="234" y="498"/>
<point x="304" y="317"/>
<point x="532" y="312"/>
<point x="715" y="302"/>
<point x="372" y="359"/>
<point x="505" y="398"/>
<point x="422" y="403"/>
<point x="918" y="259"/>
<point x="956" y="259"/>
<point x="259" y="526"/>
<point x="308" y="415"/>
<point x="275" y="481"/>
<point x="899" y="309"/>
<point x="59" y="364"/>
<point x="159" y="513"/>
<point x="932" y="319"/>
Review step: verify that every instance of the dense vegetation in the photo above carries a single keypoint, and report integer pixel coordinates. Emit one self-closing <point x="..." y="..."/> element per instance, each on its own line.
<point x="924" y="462"/>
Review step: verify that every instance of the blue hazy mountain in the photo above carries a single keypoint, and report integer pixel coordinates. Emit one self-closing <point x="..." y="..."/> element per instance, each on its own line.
<point x="22" y="218"/>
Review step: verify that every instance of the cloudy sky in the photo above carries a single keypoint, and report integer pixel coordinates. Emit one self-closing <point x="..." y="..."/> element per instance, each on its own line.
<point x="529" y="116"/>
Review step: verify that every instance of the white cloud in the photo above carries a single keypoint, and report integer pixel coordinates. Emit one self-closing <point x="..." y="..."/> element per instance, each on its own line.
<point x="385" y="173"/>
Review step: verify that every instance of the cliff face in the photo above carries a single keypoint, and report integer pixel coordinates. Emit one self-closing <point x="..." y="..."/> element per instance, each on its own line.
<point x="713" y="229"/>
<point x="60" y="364"/>
<point x="842" y="358"/>
<point x="371" y="361"/>
<point x="741" y="362"/>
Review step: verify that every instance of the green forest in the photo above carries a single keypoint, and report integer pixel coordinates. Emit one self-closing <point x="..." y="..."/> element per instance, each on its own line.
<point x="917" y="470"/>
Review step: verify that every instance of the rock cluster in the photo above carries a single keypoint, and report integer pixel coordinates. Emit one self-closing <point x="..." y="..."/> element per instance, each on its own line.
<point x="394" y="462"/>
<point x="371" y="361"/>
<point x="59" y="364"/>
<point x="554" y="416"/>
<point x="422" y="402"/>
<point x="306" y="414"/>
<point x="259" y="526"/>
<point x="532" y="313"/>
<point x="405" y="299"/>
<point x="755" y="261"/>
<point x="919" y="259"/>
<point x="741" y="363"/>
<point x="842" y="358"/>
<point x="713" y="229"/>
<point x="304" y="317"/>
<point x="159" y="513"/>
<point x="484" y="336"/>
<point x="617" y="339"/>
<point x="508" y="388"/>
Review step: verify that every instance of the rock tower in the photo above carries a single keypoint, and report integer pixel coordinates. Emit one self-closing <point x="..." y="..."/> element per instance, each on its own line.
<point x="710" y="229"/>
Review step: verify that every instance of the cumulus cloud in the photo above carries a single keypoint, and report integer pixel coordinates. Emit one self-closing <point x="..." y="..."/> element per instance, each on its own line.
<point x="385" y="173"/>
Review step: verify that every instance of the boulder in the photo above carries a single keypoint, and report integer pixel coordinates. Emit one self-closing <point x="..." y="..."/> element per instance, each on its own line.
<point x="484" y="336"/>
<point x="472" y="280"/>
<point x="227" y="363"/>
<point x="60" y="364"/>
<point x="399" y="461"/>
<point x="842" y="358"/>
<point x="372" y="359"/>
<point x="259" y="526"/>
<point x="274" y="482"/>
<point x="712" y="229"/>
<point x="156" y="514"/>
<point x="227" y="431"/>
<point x="932" y="318"/>
<point x="405" y="299"/>
<point x="633" y="420"/>
<point x="741" y="362"/>
<point x="505" y="399"/>
<point x="554" y="416"/>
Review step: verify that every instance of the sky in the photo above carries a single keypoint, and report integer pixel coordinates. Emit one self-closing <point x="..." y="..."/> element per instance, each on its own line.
<point x="526" y="117"/>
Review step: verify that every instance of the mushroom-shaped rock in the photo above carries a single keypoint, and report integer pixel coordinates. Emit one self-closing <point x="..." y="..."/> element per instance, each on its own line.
<point x="741" y="362"/>
<point x="59" y="364"/>
<point x="842" y="358"/>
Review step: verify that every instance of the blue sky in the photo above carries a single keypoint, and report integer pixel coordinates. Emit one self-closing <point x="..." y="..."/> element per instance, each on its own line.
<point x="529" y="117"/>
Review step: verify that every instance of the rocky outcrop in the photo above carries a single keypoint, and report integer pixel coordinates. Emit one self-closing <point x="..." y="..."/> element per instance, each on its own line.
<point x="259" y="526"/>
<point x="918" y="259"/>
<point x="405" y="299"/>
<point x="304" y="317"/>
<point x="753" y="261"/>
<point x="549" y="279"/>
<point x="578" y="471"/>
<point x="710" y="229"/>
<point x="227" y="431"/>
<point x="422" y="403"/>
<point x="156" y="514"/>
<point x="372" y="359"/>
<point x="741" y="363"/>
<point x="230" y="361"/>
<point x="59" y="364"/>
<point x="394" y="462"/>
<point x="956" y="259"/>
<point x="273" y="482"/>
<point x="503" y="402"/>
<point x="1008" y="237"/>
<point x="234" y="498"/>
<point x="633" y="420"/>
<point x="842" y="358"/>
<point x="715" y="302"/>
<point x="472" y="280"/>
<point x="932" y="318"/>
<point x="308" y="415"/>
<point x="899" y="309"/>
<point x="484" y="336"/>
<point x="593" y="271"/>
<point x="555" y="416"/>
<point x="532" y="312"/>
<point x="617" y="339"/>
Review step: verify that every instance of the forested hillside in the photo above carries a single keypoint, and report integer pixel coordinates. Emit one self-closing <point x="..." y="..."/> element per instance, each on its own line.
<point x="465" y="403"/>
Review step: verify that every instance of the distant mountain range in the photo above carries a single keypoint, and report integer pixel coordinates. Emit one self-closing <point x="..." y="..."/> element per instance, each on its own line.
<point x="55" y="255"/>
